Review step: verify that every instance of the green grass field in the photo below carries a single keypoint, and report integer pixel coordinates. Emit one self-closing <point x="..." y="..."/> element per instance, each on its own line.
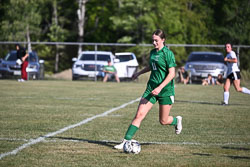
<point x="39" y="126"/>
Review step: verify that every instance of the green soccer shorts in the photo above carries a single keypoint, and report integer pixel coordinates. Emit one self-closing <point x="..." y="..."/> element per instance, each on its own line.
<point x="163" y="100"/>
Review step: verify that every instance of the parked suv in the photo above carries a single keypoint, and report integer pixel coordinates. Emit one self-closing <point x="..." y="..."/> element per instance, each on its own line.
<point x="86" y="66"/>
<point x="9" y="67"/>
<point x="200" y="64"/>
<point x="126" y="66"/>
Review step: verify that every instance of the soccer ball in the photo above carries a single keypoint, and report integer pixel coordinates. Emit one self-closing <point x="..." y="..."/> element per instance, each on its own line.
<point x="132" y="146"/>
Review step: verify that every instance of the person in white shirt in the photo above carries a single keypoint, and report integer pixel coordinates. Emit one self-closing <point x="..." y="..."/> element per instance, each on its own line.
<point x="233" y="74"/>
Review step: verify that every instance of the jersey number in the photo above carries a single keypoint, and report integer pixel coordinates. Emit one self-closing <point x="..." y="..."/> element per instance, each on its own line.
<point x="154" y="66"/>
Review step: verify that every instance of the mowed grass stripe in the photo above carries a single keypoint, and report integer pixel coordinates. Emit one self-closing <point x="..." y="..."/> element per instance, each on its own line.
<point x="213" y="135"/>
<point x="40" y="139"/>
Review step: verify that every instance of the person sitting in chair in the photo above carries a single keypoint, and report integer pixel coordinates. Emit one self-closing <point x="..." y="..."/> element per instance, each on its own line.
<point x="110" y="71"/>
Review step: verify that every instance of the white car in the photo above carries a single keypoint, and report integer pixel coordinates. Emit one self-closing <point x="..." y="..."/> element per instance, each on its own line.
<point x="126" y="66"/>
<point x="89" y="64"/>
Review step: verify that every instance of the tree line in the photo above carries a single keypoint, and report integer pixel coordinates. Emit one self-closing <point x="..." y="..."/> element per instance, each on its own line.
<point x="123" y="21"/>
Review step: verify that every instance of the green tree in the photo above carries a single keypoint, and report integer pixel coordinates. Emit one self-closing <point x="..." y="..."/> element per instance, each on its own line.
<point x="133" y="21"/>
<point x="183" y="22"/>
<point x="125" y="21"/>
<point x="98" y="26"/>
<point x="232" y="24"/>
<point x="57" y="26"/>
<point x="21" y="21"/>
<point x="231" y="21"/>
<point x="57" y="32"/>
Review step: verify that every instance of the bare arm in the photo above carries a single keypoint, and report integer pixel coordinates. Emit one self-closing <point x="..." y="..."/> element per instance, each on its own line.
<point x="234" y="60"/>
<point x="25" y="57"/>
<point x="144" y="70"/>
<point x="181" y="76"/>
<point x="169" y="77"/>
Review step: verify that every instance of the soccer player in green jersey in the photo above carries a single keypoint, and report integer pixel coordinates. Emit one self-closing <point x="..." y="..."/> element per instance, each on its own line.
<point x="109" y="71"/>
<point x="160" y="87"/>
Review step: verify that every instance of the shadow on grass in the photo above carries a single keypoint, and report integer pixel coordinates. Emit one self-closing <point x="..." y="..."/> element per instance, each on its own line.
<point x="228" y="156"/>
<point x="239" y="149"/>
<point x="112" y="143"/>
<point x="237" y="157"/>
<point x="103" y="142"/>
<point x="202" y="102"/>
<point x="236" y="148"/>
<point x="202" y="154"/>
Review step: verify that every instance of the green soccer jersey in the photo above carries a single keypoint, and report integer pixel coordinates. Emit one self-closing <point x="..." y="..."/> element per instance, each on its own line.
<point x="109" y="68"/>
<point x="160" y="62"/>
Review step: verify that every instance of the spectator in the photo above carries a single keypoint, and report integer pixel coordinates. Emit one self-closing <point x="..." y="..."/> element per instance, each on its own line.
<point x="110" y="71"/>
<point x="183" y="75"/>
<point x="208" y="81"/>
<point x="22" y="59"/>
<point x="219" y="80"/>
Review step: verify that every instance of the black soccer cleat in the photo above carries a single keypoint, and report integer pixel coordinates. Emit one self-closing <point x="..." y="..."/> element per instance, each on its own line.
<point x="224" y="104"/>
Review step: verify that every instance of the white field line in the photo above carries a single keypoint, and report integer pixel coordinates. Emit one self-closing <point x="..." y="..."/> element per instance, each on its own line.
<point x="13" y="139"/>
<point x="196" y="143"/>
<point x="141" y="142"/>
<point x="57" y="98"/>
<point x="153" y="142"/>
<point x="40" y="139"/>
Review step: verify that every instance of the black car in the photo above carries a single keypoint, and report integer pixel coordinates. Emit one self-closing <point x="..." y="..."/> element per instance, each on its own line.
<point x="9" y="68"/>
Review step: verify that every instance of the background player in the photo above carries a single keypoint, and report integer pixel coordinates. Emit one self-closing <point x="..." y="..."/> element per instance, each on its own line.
<point x="233" y="74"/>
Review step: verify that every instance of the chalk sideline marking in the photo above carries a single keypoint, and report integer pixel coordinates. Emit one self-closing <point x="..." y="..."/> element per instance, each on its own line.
<point x="141" y="142"/>
<point x="40" y="139"/>
<point x="13" y="139"/>
<point x="152" y="142"/>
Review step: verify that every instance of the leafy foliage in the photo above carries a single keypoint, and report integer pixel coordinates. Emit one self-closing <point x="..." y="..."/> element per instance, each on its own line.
<point x="127" y="21"/>
<point x="18" y="16"/>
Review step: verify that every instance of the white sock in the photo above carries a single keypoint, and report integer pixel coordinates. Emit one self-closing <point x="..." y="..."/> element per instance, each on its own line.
<point x="245" y="90"/>
<point x="226" y="97"/>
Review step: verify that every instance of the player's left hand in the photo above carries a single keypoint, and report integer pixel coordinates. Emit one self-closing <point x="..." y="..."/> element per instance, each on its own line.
<point x="156" y="91"/>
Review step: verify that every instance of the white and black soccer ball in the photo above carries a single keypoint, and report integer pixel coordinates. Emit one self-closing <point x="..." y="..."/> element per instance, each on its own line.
<point x="132" y="146"/>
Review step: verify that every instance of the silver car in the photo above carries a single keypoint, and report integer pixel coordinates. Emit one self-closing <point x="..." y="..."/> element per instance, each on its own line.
<point x="200" y="64"/>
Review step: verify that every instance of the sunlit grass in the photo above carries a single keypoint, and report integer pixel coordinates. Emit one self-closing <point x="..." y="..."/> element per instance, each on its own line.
<point x="213" y="135"/>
